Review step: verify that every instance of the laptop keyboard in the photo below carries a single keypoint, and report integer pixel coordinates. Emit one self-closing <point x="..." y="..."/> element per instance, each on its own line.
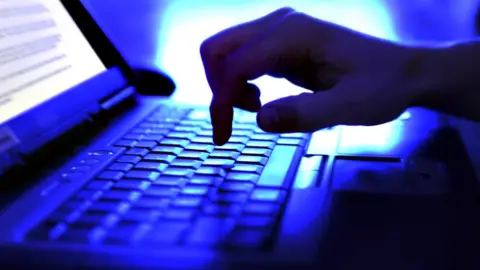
<point x="173" y="186"/>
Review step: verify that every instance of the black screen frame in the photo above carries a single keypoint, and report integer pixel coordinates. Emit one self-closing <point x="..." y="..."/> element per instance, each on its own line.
<point x="38" y="127"/>
<point x="101" y="44"/>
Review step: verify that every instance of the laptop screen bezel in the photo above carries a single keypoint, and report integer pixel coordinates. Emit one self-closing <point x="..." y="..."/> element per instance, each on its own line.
<point x="97" y="37"/>
<point x="60" y="113"/>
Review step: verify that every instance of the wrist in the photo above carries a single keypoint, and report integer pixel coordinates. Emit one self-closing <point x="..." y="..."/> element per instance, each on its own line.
<point x="446" y="73"/>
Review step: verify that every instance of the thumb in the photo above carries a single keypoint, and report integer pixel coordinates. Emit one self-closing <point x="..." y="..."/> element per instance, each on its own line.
<point x="307" y="112"/>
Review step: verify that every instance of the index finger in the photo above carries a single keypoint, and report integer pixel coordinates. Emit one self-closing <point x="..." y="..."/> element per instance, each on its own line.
<point x="216" y="48"/>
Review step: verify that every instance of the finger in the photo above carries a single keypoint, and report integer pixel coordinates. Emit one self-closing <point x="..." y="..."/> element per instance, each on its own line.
<point x="250" y="98"/>
<point x="215" y="48"/>
<point x="309" y="112"/>
<point x="280" y="46"/>
<point x="250" y="101"/>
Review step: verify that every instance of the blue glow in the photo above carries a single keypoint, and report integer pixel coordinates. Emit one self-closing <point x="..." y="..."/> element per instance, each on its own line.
<point x="185" y="24"/>
<point x="382" y="138"/>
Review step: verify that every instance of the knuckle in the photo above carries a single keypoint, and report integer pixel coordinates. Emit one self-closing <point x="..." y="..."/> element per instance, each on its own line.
<point x="285" y="10"/>
<point x="207" y="48"/>
<point x="295" y="18"/>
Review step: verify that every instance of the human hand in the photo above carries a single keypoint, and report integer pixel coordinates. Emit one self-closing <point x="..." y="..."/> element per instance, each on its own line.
<point x="355" y="79"/>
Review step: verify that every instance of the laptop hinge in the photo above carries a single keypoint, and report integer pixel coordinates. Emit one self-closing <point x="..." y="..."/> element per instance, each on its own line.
<point x="118" y="98"/>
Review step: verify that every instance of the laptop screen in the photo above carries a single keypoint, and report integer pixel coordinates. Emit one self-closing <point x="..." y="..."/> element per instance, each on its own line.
<point x="42" y="54"/>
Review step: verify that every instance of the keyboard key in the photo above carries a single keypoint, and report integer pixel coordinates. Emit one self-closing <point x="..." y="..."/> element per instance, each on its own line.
<point x="146" y="175"/>
<point x="157" y="125"/>
<point x="230" y="210"/>
<point x="142" y="131"/>
<point x="247" y="168"/>
<point x="218" y="162"/>
<point x="171" y="150"/>
<point x="242" y="126"/>
<point x="205" y="180"/>
<point x="159" y="131"/>
<point x="187" y="201"/>
<point x="159" y="191"/>
<point x="211" y="171"/>
<point x="265" y="137"/>
<point x="123" y="167"/>
<point x="171" y="181"/>
<point x="191" y="129"/>
<point x="239" y="132"/>
<point x="252" y="159"/>
<point x="193" y="155"/>
<point x="195" y="190"/>
<point x="255" y="222"/>
<point x="238" y="139"/>
<point x="186" y="163"/>
<point x="166" y="232"/>
<point x="227" y="197"/>
<point x="237" y="186"/>
<point x="181" y="135"/>
<point x="91" y="220"/>
<point x="291" y="141"/>
<point x="295" y="135"/>
<point x="277" y="172"/>
<point x="257" y="152"/>
<point x="193" y="123"/>
<point x="121" y="195"/>
<point x="268" y="195"/>
<point x="205" y="133"/>
<point x="146" y="144"/>
<point x="235" y="176"/>
<point x="179" y="172"/>
<point x="231" y="147"/>
<point x="46" y="233"/>
<point x="152" y="202"/>
<point x="132" y="185"/>
<point x="197" y="147"/>
<point x="159" y="158"/>
<point x="110" y="175"/>
<point x="153" y="139"/>
<point x="138" y="216"/>
<point x="74" y="205"/>
<point x="109" y="207"/>
<point x="89" y="195"/>
<point x="261" y="144"/>
<point x="126" y="234"/>
<point x="60" y="216"/>
<point x="84" y="235"/>
<point x="137" y="152"/>
<point x="210" y="231"/>
<point x="203" y="140"/>
<point x="125" y="143"/>
<point x="185" y="214"/>
<point x="224" y="154"/>
<point x="261" y="209"/>
<point x="175" y="142"/>
<point x="133" y="136"/>
<point x="157" y="166"/>
<point x="100" y="185"/>
<point x="129" y="159"/>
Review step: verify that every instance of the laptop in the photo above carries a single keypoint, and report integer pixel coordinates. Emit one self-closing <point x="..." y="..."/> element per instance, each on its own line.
<point x="96" y="175"/>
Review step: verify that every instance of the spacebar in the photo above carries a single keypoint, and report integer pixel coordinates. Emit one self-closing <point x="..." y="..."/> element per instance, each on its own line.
<point x="281" y="167"/>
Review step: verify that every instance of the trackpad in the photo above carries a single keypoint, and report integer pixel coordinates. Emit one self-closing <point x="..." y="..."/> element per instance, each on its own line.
<point x="388" y="176"/>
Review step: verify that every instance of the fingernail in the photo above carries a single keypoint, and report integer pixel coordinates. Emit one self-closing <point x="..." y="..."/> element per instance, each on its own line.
<point x="269" y="118"/>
